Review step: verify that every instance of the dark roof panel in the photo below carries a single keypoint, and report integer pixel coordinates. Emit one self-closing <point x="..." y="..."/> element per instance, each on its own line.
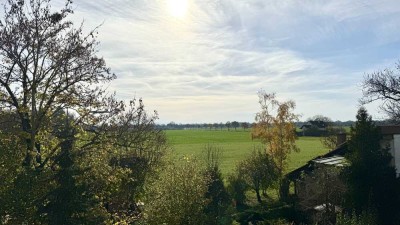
<point x="389" y="129"/>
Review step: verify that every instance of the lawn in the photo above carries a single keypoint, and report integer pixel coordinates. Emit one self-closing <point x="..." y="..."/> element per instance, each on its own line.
<point x="235" y="146"/>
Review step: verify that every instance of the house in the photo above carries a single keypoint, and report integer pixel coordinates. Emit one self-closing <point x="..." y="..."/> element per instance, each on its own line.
<point x="335" y="158"/>
<point x="332" y="158"/>
<point x="314" y="128"/>
<point x="321" y="125"/>
<point x="317" y="187"/>
<point x="391" y="139"/>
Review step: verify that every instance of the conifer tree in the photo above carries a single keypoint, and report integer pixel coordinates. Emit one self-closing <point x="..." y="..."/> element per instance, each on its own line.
<point x="370" y="178"/>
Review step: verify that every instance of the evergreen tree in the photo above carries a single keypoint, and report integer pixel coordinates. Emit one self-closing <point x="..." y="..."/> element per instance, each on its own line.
<point x="371" y="179"/>
<point x="218" y="207"/>
<point x="71" y="202"/>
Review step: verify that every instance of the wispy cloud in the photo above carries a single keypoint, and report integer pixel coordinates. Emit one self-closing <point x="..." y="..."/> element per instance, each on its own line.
<point x="208" y="66"/>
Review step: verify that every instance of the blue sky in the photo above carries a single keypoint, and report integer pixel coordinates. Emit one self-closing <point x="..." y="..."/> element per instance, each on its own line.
<point x="205" y="60"/>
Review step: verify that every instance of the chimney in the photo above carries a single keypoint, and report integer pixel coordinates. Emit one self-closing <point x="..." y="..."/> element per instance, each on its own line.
<point x="341" y="138"/>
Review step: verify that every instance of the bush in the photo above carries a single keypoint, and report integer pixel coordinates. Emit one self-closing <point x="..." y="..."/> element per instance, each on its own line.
<point x="258" y="171"/>
<point x="365" y="218"/>
<point x="177" y="195"/>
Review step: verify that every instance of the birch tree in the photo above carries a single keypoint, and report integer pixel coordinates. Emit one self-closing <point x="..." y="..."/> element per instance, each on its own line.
<point x="274" y="126"/>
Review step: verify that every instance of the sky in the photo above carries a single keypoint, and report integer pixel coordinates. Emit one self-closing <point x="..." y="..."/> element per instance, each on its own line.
<point x="201" y="61"/>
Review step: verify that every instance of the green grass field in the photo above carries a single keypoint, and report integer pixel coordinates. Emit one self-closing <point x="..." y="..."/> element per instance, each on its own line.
<point x="235" y="146"/>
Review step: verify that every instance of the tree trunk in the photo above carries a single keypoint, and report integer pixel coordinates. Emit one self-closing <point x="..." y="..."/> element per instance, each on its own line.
<point x="258" y="195"/>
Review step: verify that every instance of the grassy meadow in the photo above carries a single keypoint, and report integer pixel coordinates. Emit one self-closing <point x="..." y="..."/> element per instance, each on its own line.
<point x="235" y="146"/>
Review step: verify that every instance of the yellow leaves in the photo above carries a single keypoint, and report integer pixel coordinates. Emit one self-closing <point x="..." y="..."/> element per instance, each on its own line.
<point x="186" y="159"/>
<point x="275" y="127"/>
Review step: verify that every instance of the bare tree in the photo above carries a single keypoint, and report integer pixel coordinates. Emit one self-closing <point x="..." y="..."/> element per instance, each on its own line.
<point x="384" y="86"/>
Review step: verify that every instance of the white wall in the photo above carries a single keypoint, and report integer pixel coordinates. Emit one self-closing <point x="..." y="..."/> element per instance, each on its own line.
<point x="396" y="152"/>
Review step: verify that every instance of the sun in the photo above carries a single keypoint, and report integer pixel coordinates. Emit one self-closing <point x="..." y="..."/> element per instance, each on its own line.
<point x="177" y="8"/>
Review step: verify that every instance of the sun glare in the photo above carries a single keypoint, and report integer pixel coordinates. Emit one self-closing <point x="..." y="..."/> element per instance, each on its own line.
<point x="177" y="8"/>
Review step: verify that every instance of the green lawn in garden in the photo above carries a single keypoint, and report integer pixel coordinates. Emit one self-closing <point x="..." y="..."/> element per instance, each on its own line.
<point x="235" y="145"/>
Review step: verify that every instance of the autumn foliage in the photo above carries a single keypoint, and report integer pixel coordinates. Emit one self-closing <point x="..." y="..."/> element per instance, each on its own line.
<point x="274" y="126"/>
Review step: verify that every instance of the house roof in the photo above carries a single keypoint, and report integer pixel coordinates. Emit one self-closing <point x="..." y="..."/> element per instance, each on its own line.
<point x="305" y="126"/>
<point x="389" y="129"/>
<point x="332" y="161"/>
<point x="314" y="123"/>
<point x="340" y="151"/>
<point x="318" y="123"/>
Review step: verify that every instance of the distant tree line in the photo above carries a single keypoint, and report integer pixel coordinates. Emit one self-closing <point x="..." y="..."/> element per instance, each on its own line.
<point x="234" y="125"/>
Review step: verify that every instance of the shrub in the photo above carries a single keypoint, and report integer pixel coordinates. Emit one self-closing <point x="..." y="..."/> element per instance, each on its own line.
<point x="258" y="171"/>
<point x="177" y="195"/>
<point x="365" y="218"/>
